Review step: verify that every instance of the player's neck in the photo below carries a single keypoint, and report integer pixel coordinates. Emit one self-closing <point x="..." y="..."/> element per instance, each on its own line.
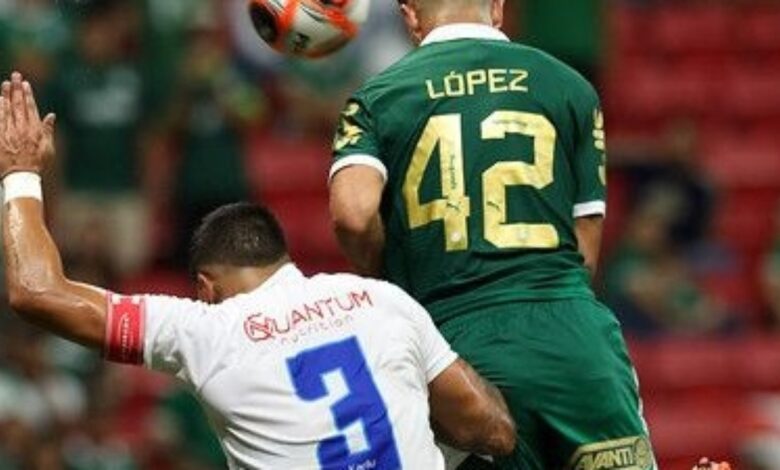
<point x="449" y="17"/>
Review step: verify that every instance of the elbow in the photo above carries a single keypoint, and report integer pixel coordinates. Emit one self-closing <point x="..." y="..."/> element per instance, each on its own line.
<point x="490" y="434"/>
<point x="25" y="299"/>
<point x="17" y="299"/>
<point x="504" y="437"/>
<point x="22" y="299"/>
<point x="355" y="223"/>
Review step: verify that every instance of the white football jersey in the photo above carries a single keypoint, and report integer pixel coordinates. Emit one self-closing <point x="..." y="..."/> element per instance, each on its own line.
<point x="327" y="372"/>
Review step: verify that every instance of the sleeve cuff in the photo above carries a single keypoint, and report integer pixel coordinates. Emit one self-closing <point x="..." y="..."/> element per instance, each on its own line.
<point x="441" y="365"/>
<point x="586" y="209"/>
<point x="363" y="159"/>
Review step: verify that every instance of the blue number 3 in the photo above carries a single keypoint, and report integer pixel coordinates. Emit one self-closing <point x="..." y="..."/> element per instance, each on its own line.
<point x="362" y="404"/>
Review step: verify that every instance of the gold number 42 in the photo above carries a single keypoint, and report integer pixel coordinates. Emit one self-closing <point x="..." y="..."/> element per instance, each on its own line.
<point x="454" y="207"/>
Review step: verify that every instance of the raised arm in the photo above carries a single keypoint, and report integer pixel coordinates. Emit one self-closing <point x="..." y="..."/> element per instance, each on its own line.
<point x="470" y="414"/>
<point x="37" y="287"/>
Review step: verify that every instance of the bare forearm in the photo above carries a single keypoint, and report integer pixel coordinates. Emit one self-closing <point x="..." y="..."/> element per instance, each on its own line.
<point x="488" y="436"/>
<point x="364" y="248"/>
<point x="588" y="231"/>
<point x="469" y="413"/>
<point x="37" y="287"/>
<point x="32" y="265"/>
<point x="494" y="437"/>
<point x="355" y="197"/>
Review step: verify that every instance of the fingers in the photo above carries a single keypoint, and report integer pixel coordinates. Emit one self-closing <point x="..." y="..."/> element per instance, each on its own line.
<point x="5" y="92"/>
<point x="3" y="113"/>
<point x="33" y="115"/>
<point x="17" y="100"/>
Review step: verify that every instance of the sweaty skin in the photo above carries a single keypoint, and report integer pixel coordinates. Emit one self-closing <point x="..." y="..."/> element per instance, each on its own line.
<point x="469" y="413"/>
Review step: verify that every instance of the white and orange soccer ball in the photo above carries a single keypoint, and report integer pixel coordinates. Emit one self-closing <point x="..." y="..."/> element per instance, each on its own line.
<point x="308" y="28"/>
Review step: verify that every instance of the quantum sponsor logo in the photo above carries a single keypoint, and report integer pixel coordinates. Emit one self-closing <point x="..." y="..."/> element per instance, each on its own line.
<point x="257" y="328"/>
<point x="312" y="317"/>
<point x="632" y="453"/>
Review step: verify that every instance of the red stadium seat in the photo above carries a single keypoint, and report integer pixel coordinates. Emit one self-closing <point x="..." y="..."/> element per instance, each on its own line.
<point x="691" y="88"/>
<point x="735" y="290"/>
<point x="678" y="29"/>
<point x="306" y="221"/>
<point x="683" y="364"/>
<point x="693" y="425"/>
<point x="759" y="28"/>
<point x="750" y="91"/>
<point x="646" y="88"/>
<point x="759" y="363"/>
<point x="745" y="219"/>
<point x="628" y="28"/>
<point x="743" y="161"/>
<point x="280" y="164"/>
<point x="637" y="90"/>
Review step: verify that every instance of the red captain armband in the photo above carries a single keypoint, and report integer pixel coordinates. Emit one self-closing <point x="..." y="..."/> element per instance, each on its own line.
<point x="125" y="329"/>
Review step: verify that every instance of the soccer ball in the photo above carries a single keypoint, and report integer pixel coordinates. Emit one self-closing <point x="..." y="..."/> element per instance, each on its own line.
<point x="308" y="28"/>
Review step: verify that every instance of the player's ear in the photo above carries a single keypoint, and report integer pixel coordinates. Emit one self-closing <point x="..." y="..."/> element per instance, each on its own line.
<point x="412" y="22"/>
<point x="497" y="12"/>
<point x="206" y="289"/>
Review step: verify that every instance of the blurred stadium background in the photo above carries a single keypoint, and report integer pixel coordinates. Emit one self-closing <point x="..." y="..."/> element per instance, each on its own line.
<point x="168" y="108"/>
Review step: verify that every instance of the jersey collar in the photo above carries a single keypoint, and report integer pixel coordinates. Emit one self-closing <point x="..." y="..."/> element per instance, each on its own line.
<point x="285" y="273"/>
<point x="455" y="31"/>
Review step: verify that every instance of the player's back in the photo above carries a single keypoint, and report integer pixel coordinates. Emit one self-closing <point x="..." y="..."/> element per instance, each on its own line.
<point x="328" y="372"/>
<point x="482" y="142"/>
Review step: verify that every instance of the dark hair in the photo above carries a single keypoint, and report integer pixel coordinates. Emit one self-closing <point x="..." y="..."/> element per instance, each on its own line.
<point x="239" y="235"/>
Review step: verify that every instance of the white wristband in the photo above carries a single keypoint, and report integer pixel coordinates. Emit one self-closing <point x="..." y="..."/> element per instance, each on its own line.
<point x="22" y="184"/>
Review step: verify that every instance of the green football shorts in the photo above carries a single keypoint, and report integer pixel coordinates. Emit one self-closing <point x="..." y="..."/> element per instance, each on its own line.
<point x="564" y="370"/>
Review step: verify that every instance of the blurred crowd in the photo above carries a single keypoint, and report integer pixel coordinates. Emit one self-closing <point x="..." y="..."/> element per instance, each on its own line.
<point x="164" y="107"/>
<point x="155" y="100"/>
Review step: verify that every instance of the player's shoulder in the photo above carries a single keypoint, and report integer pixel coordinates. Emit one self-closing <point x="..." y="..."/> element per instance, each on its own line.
<point x="354" y="281"/>
<point x="403" y="71"/>
<point x="548" y="67"/>
<point x="554" y="69"/>
<point x="388" y="298"/>
<point x="189" y="311"/>
<point x="387" y="80"/>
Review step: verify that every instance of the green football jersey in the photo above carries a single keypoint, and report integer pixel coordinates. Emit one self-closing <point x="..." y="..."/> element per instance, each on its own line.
<point x="490" y="149"/>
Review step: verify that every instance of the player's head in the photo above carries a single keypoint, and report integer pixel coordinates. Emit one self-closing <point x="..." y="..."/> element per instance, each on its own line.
<point x="423" y="16"/>
<point x="234" y="250"/>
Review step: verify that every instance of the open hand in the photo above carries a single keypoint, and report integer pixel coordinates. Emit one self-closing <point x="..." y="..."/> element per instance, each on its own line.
<point x="26" y="141"/>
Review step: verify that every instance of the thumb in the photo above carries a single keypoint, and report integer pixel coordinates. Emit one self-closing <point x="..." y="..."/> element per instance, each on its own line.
<point x="48" y="123"/>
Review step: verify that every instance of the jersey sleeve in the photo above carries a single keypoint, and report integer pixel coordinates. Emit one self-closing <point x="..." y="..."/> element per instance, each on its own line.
<point x="435" y="352"/>
<point x="175" y="336"/>
<point x="589" y="155"/>
<point x="356" y="141"/>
